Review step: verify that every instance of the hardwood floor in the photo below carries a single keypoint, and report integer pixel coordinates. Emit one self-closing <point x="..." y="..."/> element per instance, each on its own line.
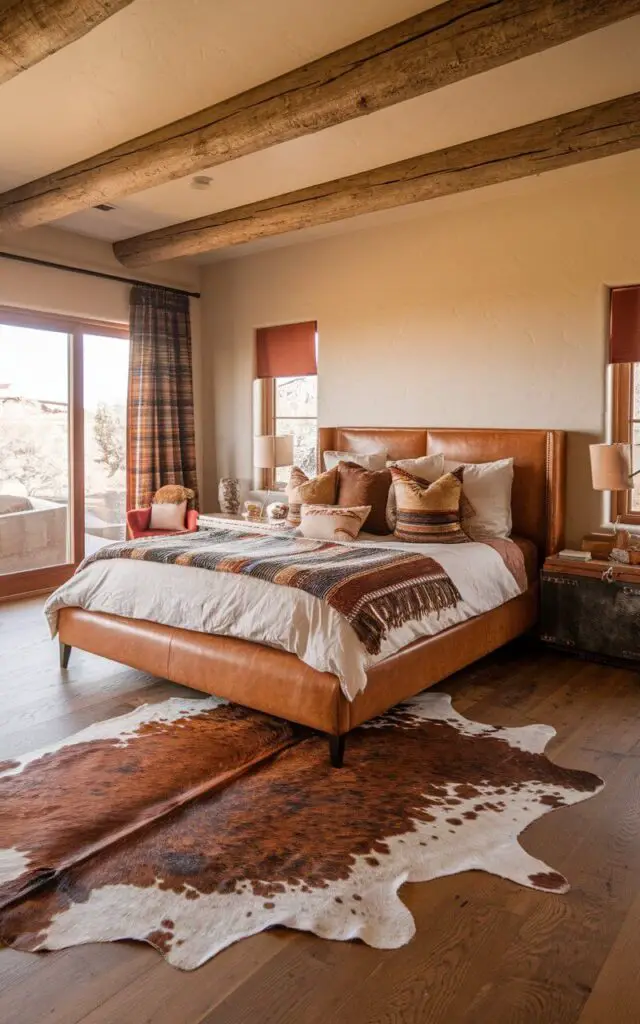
<point x="486" y="950"/>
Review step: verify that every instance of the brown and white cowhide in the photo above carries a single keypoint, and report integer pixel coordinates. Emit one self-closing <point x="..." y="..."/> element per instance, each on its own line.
<point x="193" y="823"/>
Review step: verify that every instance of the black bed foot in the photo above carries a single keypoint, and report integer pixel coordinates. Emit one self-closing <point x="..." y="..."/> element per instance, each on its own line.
<point x="336" y="750"/>
<point x="65" y="654"/>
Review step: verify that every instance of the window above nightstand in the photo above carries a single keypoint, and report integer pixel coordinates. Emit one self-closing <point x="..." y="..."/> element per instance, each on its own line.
<point x="624" y="419"/>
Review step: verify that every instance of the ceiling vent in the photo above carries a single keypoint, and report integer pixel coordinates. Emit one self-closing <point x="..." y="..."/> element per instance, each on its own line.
<point x="104" y="207"/>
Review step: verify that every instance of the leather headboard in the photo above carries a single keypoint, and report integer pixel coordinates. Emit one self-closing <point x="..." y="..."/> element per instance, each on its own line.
<point x="538" y="496"/>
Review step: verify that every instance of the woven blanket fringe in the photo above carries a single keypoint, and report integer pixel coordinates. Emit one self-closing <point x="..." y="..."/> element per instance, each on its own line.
<point x="373" y="622"/>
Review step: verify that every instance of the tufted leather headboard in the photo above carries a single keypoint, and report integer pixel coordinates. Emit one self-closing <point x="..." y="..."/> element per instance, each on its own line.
<point x="538" y="496"/>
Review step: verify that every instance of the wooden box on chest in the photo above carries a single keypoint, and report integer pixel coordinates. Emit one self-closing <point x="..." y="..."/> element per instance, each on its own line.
<point x="591" y="608"/>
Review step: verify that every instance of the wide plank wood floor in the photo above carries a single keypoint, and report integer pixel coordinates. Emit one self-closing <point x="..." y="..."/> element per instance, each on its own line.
<point x="486" y="950"/>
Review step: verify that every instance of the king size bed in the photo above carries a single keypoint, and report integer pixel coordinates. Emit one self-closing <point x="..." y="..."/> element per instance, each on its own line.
<point x="282" y="651"/>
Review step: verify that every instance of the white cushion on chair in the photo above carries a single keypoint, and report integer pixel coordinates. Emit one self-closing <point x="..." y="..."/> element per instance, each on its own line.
<point x="168" y="517"/>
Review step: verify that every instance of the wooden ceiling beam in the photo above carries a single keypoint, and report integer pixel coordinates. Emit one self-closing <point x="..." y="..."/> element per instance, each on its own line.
<point x="31" y="30"/>
<point x="444" y="44"/>
<point x="573" y="138"/>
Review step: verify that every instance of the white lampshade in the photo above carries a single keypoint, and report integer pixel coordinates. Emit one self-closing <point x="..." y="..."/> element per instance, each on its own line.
<point x="610" y="467"/>
<point x="271" y="451"/>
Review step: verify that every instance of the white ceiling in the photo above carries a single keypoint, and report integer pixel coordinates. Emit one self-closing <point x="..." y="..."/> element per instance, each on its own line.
<point x="158" y="60"/>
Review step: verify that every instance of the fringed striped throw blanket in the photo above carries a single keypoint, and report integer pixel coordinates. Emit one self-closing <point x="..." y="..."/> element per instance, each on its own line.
<point x="375" y="589"/>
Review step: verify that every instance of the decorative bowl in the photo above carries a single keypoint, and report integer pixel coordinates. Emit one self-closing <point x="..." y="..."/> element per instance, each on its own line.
<point x="277" y="510"/>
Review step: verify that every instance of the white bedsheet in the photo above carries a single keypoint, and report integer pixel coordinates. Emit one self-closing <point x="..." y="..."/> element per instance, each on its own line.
<point x="279" y="616"/>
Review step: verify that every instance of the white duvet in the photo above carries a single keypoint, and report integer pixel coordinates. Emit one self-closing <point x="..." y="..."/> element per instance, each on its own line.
<point x="279" y="616"/>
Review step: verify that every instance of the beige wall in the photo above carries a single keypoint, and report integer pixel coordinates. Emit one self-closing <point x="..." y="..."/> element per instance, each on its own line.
<point x="26" y="286"/>
<point x="489" y="311"/>
<point x="33" y="287"/>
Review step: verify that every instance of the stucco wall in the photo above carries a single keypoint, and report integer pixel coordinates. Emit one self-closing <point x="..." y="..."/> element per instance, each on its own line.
<point x="489" y="311"/>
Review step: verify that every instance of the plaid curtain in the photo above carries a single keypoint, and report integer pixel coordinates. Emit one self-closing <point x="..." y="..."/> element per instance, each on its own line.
<point x="160" y="423"/>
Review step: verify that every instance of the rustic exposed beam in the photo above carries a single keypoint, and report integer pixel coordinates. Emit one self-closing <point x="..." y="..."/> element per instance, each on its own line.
<point x="31" y="30"/>
<point x="573" y="138"/>
<point x="445" y="44"/>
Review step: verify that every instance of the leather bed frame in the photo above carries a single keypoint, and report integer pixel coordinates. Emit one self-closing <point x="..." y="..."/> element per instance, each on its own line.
<point x="277" y="682"/>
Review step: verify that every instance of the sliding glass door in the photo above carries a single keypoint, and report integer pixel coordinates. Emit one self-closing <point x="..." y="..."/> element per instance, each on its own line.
<point x="106" y="364"/>
<point x="63" y="393"/>
<point x="34" y="449"/>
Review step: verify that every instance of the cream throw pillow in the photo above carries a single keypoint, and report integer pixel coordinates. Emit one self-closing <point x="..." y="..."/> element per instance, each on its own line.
<point x="321" y="490"/>
<point x="168" y="517"/>
<point x="374" y="460"/>
<point x="487" y="485"/>
<point x="326" y="522"/>
<point x="427" y="467"/>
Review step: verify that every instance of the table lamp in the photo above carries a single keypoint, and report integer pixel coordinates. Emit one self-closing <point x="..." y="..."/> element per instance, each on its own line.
<point x="271" y="451"/>
<point x="610" y="471"/>
<point x="611" y="467"/>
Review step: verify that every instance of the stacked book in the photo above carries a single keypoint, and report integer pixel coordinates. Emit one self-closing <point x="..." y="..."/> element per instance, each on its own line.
<point x="575" y="556"/>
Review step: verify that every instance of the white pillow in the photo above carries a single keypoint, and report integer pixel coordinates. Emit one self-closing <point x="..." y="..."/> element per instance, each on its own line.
<point x="427" y="467"/>
<point x="374" y="460"/>
<point x="165" y="516"/>
<point x="487" y="485"/>
<point x="332" y="522"/>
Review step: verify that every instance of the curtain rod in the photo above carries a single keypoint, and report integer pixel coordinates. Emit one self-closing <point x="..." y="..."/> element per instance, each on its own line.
<point x="94" y="273"/>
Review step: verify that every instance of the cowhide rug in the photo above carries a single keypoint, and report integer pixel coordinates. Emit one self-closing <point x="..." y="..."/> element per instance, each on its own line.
<point x="193" y="823"/>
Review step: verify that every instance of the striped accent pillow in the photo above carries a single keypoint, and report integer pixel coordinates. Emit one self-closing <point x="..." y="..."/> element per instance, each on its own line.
<point x="428" y="513"/>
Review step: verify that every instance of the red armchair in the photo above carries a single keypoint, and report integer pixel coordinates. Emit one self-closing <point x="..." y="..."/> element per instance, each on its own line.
<point x="138" y="522"/>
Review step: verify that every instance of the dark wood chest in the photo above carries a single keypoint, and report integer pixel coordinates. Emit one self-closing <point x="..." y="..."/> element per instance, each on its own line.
<point x="592" y="609"/>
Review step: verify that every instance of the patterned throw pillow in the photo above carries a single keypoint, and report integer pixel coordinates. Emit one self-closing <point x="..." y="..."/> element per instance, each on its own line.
<point x="426" y="467"/>
<point x="321" y="490"/>
<point x="428" y="513"/>
<point x="329" y="522"/>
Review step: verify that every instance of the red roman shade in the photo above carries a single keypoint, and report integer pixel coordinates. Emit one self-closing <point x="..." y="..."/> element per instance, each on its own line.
<point x="287" y="351"/>
<point x="624" y="331"/>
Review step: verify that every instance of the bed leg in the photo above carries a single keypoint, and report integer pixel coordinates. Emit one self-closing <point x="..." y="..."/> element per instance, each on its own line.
<point x="336" y="750"/>
<point x="65" y="654"/>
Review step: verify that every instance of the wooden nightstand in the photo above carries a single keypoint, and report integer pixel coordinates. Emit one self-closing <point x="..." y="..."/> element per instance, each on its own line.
<point x="591" y="608"/>
<point x="211" y="520"/>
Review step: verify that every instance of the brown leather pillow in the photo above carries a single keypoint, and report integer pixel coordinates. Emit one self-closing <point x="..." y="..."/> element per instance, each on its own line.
<point x="358" y="486"/>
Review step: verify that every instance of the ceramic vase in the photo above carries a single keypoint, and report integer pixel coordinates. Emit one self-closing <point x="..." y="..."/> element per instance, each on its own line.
<point x="229" y="496"/>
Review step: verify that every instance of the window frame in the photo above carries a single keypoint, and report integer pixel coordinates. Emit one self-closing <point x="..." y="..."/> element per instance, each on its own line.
<point x="265" y="479"/>
<point x="35" y="581"/>
<point x="622" y="422"/>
